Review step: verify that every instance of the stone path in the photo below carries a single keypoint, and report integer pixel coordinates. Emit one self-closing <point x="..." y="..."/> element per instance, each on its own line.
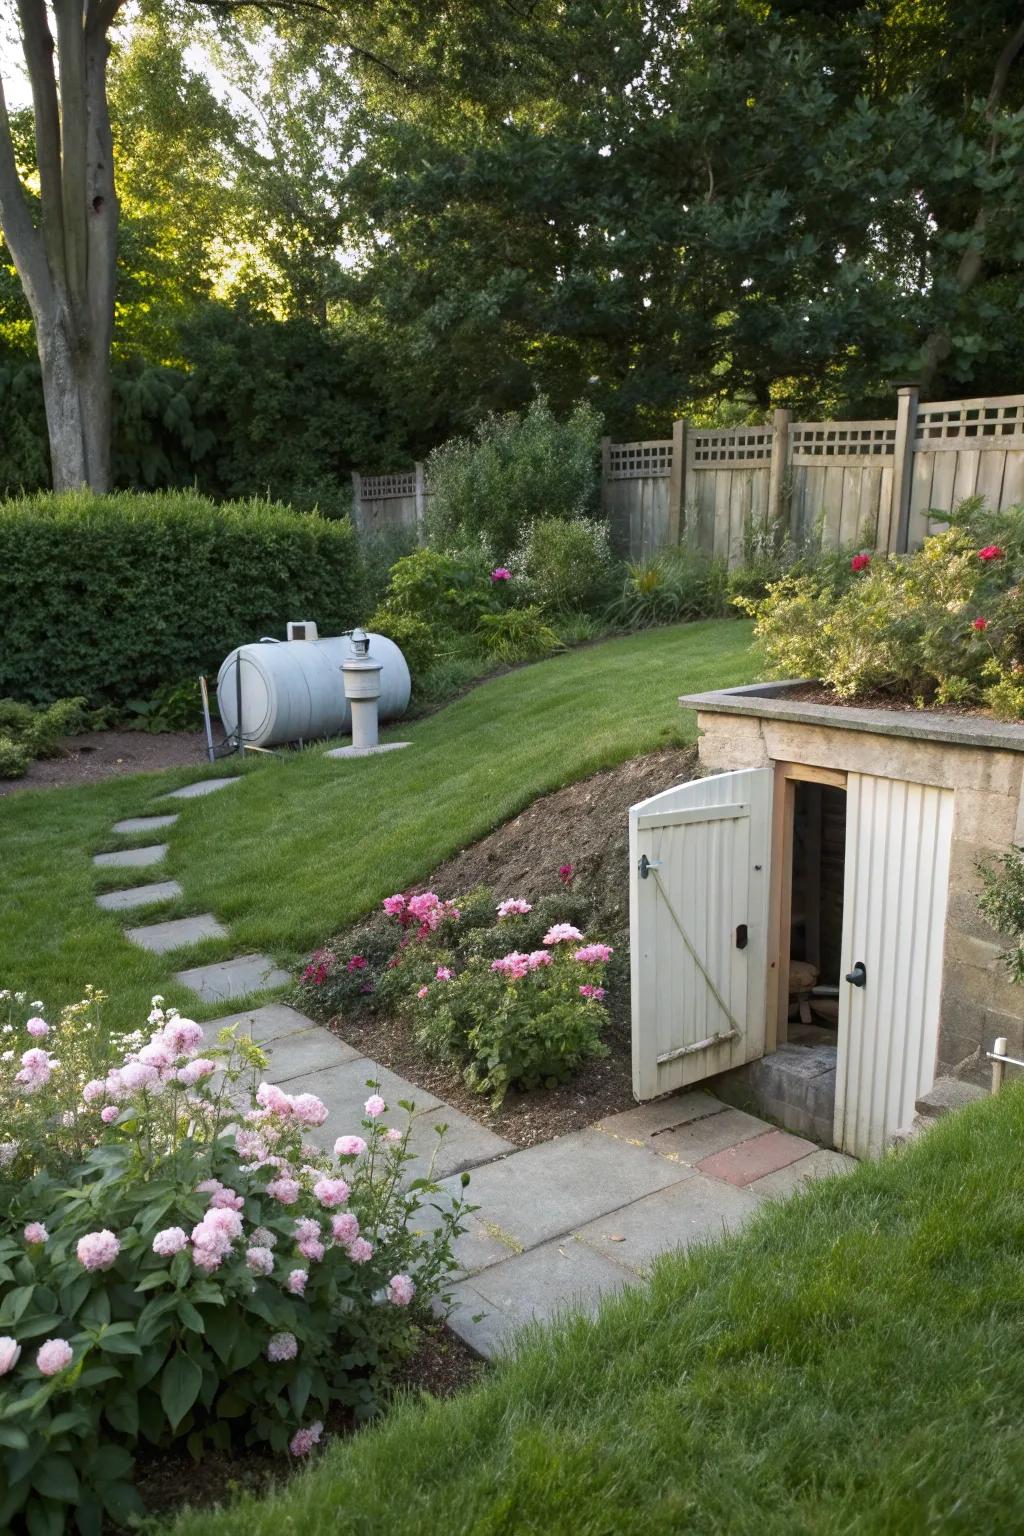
<point x="559" y="1225"/>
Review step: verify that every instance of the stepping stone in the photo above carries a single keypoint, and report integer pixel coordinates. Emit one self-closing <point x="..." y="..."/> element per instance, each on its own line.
<point x="273" y="1021"/>
<point x="823" y="1164"/>
<point x="756" y="1157"/>
<point x="560" y="1277"/>
<point x="199" y="788"/>
<point x="144" y="823"/>
<point x="696" y="1210"/>
<point x="131" y="858"/>
<point x="233" y="978"/>
<point x="138" y="896"/>
<point x="160" y="937"/>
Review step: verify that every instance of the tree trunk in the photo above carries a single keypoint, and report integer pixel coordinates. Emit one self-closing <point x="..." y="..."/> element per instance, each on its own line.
<point x="76" y="394"/>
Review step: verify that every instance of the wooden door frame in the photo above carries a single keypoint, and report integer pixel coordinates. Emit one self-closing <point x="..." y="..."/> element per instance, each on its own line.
<point x="780" y="911"/>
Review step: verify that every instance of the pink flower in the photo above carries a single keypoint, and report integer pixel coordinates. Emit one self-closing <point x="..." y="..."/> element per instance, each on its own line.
<point x="296" y="1282"/>
<point x="501" y="573"/>
<point x="36" y="1069"/>
<point x="282" y="1346"/>
<point x="222" y="1218"/>
<point x="860" y="562"/>
<point x="259" y="1261"/>
<point x="93" y="1090"/>
<point x="284" y="1191"/>
<point x="250" y="1146"/>
<point x="269" y="1096"/>
<point x="54" y="1356"/>
<point x="138" y="1075"/>
<point x="35" y="1232"/>
<point x="566" y="874"/>
<point x="374" y="1106"/>
<point x="10" y="1351"/>
<point x="539" y="957"/>
<point x="183" y="1037"/>
<point x="169" y="1242"/>
<point x="303" y="1440"/>
<point x="306" y="1227"/>
<point x="990" y="552"/>
<point x="513" y="965"/>
<point x="349" y="1146"/>
<point x="593" y="954"/>
<point x="345" y="1227"/>
<point x="360" y="1251"/>
<point x="392" y="1137"/>
<point x="226" y="1199"/>
<point x="38" y="1028"/>
<point x="109" y="1114"/>
<point x="192" y="1071"/>
<point x="331" y="1192"/>
<point x="514" y="907"/>
<point x="312" y="1249"/>
<point x="394" y="906"/>
<point x="562" y="933"/>
<point x="400" y="1290"/>
<point x="442" y="973"/>
<point x="98" y="1250"/>
<point x="357" y="963"/>
<point x="308" y="1110"/>
<point x="422" y="993"/>
<point x="979" y="624"/>
<point x="594" y="993"/>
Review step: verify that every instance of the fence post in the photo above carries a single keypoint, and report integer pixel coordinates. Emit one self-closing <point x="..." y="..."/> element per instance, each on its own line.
<point x="606" y="468"/>
<point x="778" y="473"/>
<point x="677" y="484"/>
<point x="898" y="531"/>
<point x="421" y="499"/>
<point x="357" y="498"/>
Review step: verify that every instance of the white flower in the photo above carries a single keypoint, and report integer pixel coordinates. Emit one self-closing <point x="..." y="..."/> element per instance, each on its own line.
<point x="156" y="999"/>
<point x="7" y="1056"/>
<point x="38" y="1005"/>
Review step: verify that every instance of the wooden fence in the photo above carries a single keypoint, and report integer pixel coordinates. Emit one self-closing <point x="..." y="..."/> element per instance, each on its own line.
<point x="865" y="483"/>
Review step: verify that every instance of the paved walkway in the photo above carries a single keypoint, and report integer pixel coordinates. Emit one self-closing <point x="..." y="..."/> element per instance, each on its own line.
<point x="560" y="1224"/>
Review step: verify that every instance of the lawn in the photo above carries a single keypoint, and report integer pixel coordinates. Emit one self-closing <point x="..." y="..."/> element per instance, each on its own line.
<point x="851" y="1364"/>
<point x="305" y="844"/>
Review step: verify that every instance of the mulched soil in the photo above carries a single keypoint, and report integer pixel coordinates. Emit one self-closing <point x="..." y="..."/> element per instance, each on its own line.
<point x="585" y="825"/>
<point x="100" y="755"/>
<point x="167" y="1481"/>
<point x="815" y="693"/>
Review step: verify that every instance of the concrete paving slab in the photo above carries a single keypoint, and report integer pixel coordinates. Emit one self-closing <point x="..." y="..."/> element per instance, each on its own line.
<point x="131" y="858"/>
<point x="821" y="1164"/>
<point x="553" y="1188"/>
<point x="559" y="1277"/>
<point x="272" y="1021"/>
<point x="233" y="978"/>
<point x="344" y="1090"/>
<point x="756" y="1157"/>
<point x="466" y="1143"/>
<point x="695" y="1210"/>
<point x="138" y="896"/>
<point x="309" y="1050"/>
<point x="145" y="823"/>
<point x="199" y="788"/>
<point x="696" y="1139"/>
<point x="158" y="938"/>
<point x="661" y="1115"/>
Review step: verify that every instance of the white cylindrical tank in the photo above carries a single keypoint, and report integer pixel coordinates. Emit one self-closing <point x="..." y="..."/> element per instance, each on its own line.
<point x="293" y="690"/>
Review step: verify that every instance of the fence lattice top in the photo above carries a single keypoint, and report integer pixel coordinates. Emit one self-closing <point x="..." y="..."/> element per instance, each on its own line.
<point x="383" y="487"/>
<point x="710" y="448"/>
<point x="811" y="441"/>
<point x="633" y="461"/>
<point x="952" y="424"/>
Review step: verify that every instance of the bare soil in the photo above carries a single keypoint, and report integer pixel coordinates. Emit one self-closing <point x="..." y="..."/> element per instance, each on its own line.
<point x="586" y="825"/>
<point x="816" y="693"/>
<point x="100" y="755"/>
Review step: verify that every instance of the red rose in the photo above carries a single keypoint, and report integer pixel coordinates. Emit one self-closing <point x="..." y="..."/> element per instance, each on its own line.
<point x="979" y="623"/>
<point x="990" y="552"/>
<point x="860" y="562"/>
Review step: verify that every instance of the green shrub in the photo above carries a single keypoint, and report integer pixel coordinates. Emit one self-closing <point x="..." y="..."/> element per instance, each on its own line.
<point x="515" y="469"/>
<point x="165" y="1280"/>
<point x="674" y="586"/>
<point x="379" y="552"/>
<point x="113" y="597"/>
<point x="27" y="733"/>
<point x="518" y="634"/>
<point x="564" y="565"/>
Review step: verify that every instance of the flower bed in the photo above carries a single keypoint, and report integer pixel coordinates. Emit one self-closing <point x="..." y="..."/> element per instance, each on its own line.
<point x="174" y="1267"/>
<point x="511" y="992"/>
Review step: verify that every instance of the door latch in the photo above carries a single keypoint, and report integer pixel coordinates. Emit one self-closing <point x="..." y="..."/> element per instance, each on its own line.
<point x="741" y="936"/>
<point x="858" y="976"/>
<point x="645" y="865"/>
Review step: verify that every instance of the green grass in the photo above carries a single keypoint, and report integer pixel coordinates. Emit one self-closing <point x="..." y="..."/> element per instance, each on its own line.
<point x="851" y="1364"/>
<point x="305" y="844"/>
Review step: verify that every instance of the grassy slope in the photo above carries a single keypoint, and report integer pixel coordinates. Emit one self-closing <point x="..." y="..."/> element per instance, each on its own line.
<point x="850" y="1364"/>
<point x="307" y="843"/>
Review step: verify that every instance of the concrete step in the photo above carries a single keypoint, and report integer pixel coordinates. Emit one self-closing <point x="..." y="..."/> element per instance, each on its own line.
<point x="131" y="858"/>
<point x="160" y="937"/>
<point x="145" y="823"/>
<point x="947" y="1094"/>
<point x="138" y="896"/>
<point x="233" y="978"/>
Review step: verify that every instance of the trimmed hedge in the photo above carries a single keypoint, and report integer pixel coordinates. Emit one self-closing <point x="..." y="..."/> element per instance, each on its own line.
<point x="112" y="597"/>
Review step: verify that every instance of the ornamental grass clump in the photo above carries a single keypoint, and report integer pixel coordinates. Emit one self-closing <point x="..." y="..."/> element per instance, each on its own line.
<point x="511" y="993"/>
<point x="180" y="1269"/>
<point x="941" y="626"/>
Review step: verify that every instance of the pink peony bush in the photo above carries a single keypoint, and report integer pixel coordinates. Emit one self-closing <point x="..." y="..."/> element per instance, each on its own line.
<point x="215" y="1266"/>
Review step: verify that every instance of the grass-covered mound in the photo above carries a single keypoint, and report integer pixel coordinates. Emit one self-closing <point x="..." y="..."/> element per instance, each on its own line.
<point x="114" y="597"/>
<point x="850" y="1363"/>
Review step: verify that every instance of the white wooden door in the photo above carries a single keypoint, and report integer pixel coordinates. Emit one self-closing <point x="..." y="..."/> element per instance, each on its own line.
<point x="699" y="886"/>
<point x="898" y="839"/>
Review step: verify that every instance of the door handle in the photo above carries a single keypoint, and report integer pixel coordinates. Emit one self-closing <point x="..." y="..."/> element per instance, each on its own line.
<point x="858" y="976"/>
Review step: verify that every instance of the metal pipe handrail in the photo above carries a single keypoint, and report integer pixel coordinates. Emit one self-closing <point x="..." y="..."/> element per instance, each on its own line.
<point x="1000" y="1061"/>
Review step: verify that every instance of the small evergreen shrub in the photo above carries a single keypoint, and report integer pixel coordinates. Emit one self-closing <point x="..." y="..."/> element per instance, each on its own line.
<point x="114" y="597"/>
<point x="27" y="733"/>
<point x="514" y="469"/>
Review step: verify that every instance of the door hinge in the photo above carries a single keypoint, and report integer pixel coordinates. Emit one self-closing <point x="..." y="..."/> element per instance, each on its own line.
<point x="645" y="865"/>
